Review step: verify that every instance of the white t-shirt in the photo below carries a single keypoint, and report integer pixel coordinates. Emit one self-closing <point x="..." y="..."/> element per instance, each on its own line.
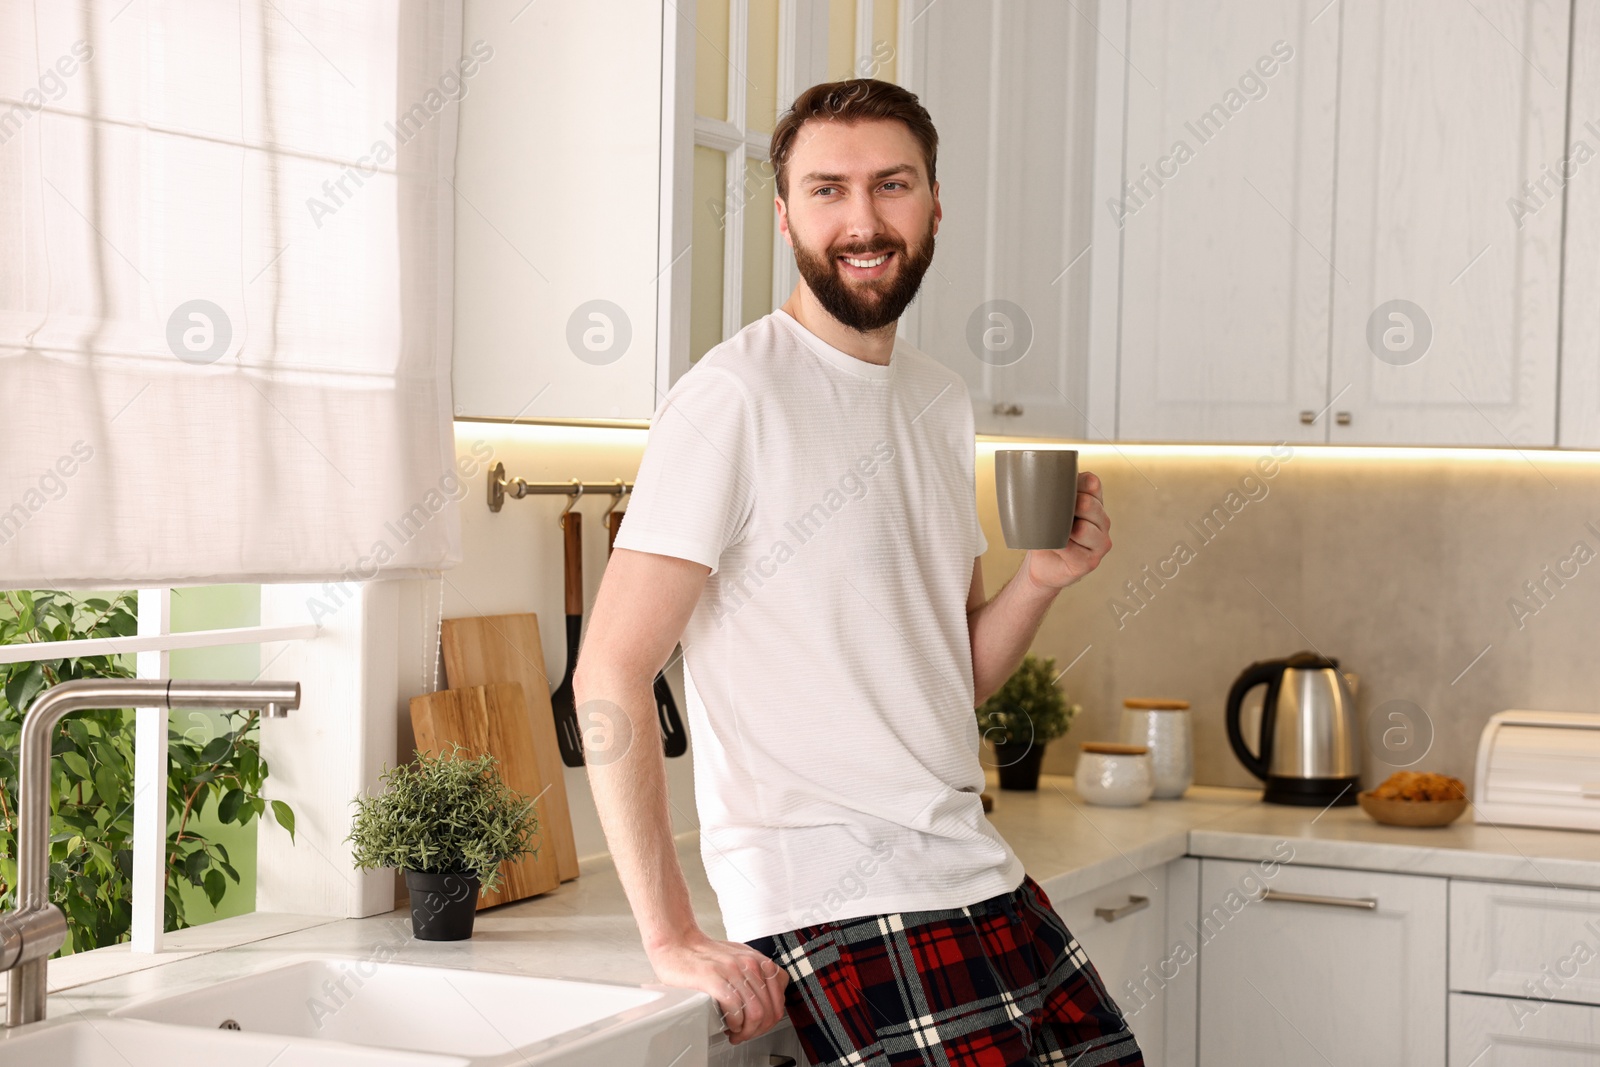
<point x="828" y="665"/>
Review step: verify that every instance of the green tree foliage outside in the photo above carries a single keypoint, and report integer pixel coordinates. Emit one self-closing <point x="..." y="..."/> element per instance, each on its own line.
<point x="92" y="770"/>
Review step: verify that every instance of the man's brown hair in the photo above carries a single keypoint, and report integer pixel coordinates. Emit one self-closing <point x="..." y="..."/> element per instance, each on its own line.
<point x="851" y="101"/>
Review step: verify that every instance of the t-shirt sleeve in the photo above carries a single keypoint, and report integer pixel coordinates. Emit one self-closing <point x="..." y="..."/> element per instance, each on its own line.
<point x="970" y="429"/>
<point x="696" y="486"/>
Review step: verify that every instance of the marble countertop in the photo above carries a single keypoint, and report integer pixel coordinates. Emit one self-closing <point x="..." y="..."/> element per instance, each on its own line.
<point x="585" y="929"/>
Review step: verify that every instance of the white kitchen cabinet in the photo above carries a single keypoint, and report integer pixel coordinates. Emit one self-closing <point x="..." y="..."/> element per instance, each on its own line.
<point x="1580" y="305"/>
<point x="1525" y="941"/>
<point x="1446" y="110"/>
<point x="1129" y="929"/>
<point x="1504" y="1032"/>
<point x="1226" y="220"/>
<point x="565" y="220"/>
<point x="1176" y="221"/>
<point x="1263" y="251"/>
<point x="1287" y="980"/>
<point x="1011" y="87"/>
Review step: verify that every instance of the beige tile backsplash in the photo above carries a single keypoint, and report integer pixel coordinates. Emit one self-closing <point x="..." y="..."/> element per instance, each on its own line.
<point x="1402" y="568"/>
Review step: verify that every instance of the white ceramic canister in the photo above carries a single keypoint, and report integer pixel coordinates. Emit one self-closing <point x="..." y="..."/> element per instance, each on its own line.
<point x="1114" y="775"/>
<point x="1163" y="727"/>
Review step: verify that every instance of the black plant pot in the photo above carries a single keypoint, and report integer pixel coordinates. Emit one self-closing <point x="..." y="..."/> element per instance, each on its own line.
<point x="443" y="905"/>
<point x="1019" y="764"/>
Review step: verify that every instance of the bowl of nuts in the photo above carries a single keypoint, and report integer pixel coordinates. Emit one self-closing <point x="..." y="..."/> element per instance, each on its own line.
<point x="1415" y="798"/>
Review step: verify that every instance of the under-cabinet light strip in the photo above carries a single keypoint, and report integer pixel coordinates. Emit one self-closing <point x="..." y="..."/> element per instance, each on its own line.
<point x="622" y="432"/>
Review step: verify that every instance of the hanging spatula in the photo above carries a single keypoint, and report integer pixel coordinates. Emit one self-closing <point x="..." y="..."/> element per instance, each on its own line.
<point x="674" y="741"/>
<point x="569" y="736"/>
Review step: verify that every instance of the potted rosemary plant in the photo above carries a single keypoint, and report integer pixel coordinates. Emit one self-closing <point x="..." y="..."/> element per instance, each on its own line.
<point x="1026" y="714"/>
<point x="448" y="821"/>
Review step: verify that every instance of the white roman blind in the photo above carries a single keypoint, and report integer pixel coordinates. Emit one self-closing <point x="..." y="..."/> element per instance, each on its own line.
<point x="226" y="240"/>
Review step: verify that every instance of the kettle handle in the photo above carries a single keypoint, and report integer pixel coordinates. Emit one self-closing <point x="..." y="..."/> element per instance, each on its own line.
<point x="1270" y="674"/>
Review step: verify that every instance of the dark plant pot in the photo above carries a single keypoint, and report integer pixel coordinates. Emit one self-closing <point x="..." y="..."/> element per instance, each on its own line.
<point x="1019" y="764"/>
<point x="443" y="905"/>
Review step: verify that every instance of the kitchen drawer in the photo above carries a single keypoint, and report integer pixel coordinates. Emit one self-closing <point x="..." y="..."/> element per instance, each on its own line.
<point x="1505" y="1032"/>
<point x="1525" y="941"/>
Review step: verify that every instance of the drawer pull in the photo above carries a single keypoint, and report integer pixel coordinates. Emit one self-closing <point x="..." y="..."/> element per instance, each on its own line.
<point x="1134" y="904"/>
<point x="776" y="1060"/>
<point x="1365" y="903"/>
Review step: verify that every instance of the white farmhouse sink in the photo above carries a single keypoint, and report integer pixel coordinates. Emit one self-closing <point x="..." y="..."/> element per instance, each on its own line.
<point x="489" y="1018"/>
<point x="102" y="1042"/>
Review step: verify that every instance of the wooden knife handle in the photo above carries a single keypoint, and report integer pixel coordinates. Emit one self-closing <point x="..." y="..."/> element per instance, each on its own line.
<point x="613" y="524"/>
<point x="572" y="533"/>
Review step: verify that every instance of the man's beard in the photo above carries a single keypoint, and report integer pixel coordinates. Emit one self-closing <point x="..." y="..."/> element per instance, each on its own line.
<point x="871" y="305"/>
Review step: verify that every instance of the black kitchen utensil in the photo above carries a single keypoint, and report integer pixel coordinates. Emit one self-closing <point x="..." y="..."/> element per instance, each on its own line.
<point x="674" y="741"/>
<point x="569" y="736"/>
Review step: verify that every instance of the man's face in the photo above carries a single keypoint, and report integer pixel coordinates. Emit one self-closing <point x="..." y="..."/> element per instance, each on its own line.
<point x="860" y="217"/>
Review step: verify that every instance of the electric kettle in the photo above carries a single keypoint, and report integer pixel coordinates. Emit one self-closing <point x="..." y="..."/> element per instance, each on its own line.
<point x="1309" y="751"/>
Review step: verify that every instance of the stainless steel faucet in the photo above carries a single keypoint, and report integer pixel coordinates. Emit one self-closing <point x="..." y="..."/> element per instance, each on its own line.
<point x="37" y="928"/>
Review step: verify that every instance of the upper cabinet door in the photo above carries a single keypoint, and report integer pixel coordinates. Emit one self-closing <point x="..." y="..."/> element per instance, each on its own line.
<point x="557" y="209"/>
<point x="1580" y="275"/>
<point x="1448" y="233"/>
<point x="1010" y="87"/>
<point x="1226" y="220"/>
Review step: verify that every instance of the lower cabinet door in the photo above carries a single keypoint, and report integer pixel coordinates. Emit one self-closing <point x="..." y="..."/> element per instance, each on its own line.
<point x="1310" y="965"/>
<point x="1512" y="1032"/>
<point x="1123" y="929"/>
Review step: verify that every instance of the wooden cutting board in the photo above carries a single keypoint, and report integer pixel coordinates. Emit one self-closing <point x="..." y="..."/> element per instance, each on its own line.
<point x="494" y="719"/>
<point x="506" y="648"/>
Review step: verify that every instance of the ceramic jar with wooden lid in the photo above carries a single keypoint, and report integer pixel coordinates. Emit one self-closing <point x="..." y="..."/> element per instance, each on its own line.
<point x="1115" y="775"/>
<point x="1163" y="727"/>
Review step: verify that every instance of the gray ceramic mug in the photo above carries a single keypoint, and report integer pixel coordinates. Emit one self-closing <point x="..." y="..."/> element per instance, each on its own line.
<point x="1038" y="495"/>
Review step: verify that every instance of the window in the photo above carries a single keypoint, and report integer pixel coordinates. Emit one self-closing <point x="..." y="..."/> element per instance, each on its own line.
<point x="196" y="632"/>
<point x="751" y="59"/>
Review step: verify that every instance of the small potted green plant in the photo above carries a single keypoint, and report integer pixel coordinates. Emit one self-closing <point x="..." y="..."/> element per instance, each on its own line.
<point x="1026" y="714"/>
<point x="448" y="821"/>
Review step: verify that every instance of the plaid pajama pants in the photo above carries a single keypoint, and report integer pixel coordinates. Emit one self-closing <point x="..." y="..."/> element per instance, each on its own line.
<point x="999" y="983"/>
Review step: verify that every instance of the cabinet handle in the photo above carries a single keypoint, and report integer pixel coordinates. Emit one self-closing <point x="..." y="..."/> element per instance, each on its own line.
<point x="1307" y="417"/>
<point x="1342" y="418"/>
<point x="1365" y="903"/>
<point x="1003" y="408"/>
<point x="775" y="1060"/>
<point x="1134" y="904"/>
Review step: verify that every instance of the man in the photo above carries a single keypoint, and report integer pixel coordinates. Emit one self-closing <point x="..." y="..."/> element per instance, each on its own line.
<point x="804" y="518"/>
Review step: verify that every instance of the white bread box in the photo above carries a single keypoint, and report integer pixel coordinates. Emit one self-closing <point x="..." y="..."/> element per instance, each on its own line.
<point x="1539" y="768"/>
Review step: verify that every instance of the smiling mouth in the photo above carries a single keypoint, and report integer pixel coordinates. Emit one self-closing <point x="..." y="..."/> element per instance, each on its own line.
<point x="866" y="264"/>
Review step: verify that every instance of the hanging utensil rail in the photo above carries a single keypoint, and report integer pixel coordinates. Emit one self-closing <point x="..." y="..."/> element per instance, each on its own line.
<point x="501" y="487"/>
